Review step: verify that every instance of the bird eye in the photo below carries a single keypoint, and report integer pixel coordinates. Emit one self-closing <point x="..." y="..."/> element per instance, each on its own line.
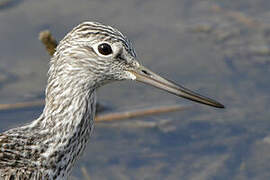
<point x="104" y="49"/>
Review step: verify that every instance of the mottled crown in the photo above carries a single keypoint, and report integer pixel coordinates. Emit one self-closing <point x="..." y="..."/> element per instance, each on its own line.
<point x="95" y="31"/>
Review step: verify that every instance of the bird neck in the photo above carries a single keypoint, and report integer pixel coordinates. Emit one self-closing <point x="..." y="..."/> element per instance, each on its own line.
<point x="65" y="125"/>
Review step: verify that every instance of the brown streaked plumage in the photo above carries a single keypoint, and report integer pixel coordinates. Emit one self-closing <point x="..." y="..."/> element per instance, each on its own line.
<point x="88" y="57"/>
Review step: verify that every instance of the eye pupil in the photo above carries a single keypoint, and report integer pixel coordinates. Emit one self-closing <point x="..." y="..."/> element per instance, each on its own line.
<point x="104" y="49"/>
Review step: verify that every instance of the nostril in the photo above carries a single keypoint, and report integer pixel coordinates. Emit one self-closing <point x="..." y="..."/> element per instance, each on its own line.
<point x="145" y="72"/>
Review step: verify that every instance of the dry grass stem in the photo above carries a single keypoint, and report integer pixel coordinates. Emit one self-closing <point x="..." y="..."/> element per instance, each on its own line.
<point x="48" y="40"/>
<point x="138" y="113"/>
<point x="85" y="173"/>
<point x="21" y="105"/>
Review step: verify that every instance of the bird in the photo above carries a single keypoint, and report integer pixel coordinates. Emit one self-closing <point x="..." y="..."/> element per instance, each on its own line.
<point x="89" y="56"/>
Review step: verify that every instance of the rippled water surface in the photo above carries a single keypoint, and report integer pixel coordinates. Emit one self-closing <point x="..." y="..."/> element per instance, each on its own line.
<point x="219" y="48"/>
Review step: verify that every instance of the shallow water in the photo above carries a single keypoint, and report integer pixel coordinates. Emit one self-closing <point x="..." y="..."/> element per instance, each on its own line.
<point x="221" y="49"/>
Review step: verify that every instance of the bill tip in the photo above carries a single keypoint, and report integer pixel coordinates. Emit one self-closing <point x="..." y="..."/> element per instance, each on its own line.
<point x="221" y="106"/>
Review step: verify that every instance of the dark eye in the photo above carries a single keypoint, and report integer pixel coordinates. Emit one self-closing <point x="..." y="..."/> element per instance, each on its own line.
<point x="104" y="49"/>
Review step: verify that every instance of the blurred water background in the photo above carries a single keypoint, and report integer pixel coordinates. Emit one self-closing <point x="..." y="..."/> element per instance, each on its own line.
<point x="219" y="48"/>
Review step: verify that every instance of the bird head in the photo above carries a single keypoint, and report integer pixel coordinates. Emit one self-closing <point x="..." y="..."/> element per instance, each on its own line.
<point x="94" y="54"/>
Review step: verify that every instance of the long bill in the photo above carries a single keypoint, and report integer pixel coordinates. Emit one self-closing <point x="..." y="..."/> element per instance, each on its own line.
<point x="146" y="76"/>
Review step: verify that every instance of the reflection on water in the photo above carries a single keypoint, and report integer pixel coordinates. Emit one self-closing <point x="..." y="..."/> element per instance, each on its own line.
<point x="219" y="49"/>
<point x="6" y="4"/>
